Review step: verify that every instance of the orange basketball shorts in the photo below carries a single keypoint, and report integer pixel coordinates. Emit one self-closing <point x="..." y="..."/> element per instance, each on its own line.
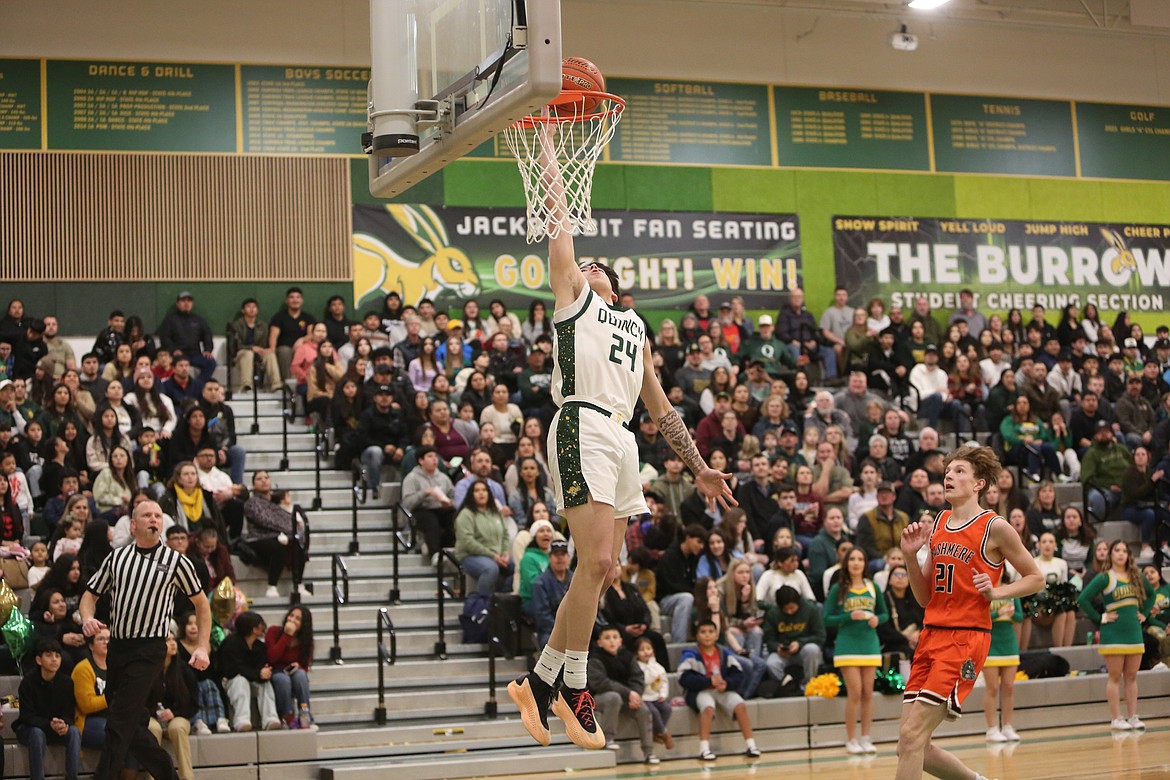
<point x="946" y="665"/>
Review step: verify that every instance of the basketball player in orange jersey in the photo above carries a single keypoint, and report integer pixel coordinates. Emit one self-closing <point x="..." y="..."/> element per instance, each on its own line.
<point x="966" y="548"/>
<point x="602" y="367"/>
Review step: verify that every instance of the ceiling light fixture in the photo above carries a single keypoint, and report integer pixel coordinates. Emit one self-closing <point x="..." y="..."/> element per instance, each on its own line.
<point x="926" y="5"/>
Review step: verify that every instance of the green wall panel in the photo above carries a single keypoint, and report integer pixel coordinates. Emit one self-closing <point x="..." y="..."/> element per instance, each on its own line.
<point x="668" y="189"/>
<point x="1136" y="201"/>
<point x="1065" y="200"/>
<point x="751" y="190"/>
<point x="999" y="197"/>
<point x="84" y="307"/>
<point x="836" y="192"/>
<point x="483" y="183"/>
<point x="913" y="195"/>
<point x="609" y="187"/>
<point x="429" y="190"/>
<point x="819" y="196"/>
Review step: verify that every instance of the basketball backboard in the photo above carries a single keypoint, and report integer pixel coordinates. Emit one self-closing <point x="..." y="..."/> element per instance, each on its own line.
<point x="449" y="74"/>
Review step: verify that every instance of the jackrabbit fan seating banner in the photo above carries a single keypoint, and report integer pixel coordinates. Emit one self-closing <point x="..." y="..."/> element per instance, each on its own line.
<point x="664" y="258"/>
<point x="1006" y="263"/>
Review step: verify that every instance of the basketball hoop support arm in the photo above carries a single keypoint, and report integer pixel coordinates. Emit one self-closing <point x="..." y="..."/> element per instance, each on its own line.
<point x="427" y="113"/>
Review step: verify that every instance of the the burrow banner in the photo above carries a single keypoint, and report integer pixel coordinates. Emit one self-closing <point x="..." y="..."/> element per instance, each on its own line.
<point x="665" y="259"/>
<point x="1006" y="263"/>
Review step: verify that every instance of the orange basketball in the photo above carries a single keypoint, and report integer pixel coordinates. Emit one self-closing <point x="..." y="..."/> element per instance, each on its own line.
<point x="580" y="74"/>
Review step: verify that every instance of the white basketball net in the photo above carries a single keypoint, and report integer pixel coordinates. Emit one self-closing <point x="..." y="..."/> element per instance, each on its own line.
<point x="576" y="142"/>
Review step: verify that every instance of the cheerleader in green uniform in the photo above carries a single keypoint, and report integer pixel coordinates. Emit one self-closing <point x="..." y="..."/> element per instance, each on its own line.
<point x="999" y="672"/>
<point x="856" y="606"/>
<point x="1160" y="606"/>
<point x="1157" y="645"/>
<point x="1127" y="597"/>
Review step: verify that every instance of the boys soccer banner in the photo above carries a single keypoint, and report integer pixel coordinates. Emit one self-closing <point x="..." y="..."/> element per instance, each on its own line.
<point x="1006" y="263"/>
<point x="664" y="258"/>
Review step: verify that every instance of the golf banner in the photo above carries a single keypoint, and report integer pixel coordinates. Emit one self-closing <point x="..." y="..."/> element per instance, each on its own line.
<point x="449" y="254"/>
<point x="1006" y="263"/>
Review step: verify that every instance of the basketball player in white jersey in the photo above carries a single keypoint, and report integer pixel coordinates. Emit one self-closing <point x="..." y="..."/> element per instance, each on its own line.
<point x="602" y="367"/>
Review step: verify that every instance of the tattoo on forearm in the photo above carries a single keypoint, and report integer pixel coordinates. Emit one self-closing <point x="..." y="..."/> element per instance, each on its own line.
<point x="674" y="430"/>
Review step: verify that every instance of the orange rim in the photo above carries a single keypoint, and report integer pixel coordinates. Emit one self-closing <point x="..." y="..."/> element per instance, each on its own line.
<point x="614" y="105"/>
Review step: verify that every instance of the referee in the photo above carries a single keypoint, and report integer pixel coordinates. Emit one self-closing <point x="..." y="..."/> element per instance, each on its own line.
<point x="143" y="578"/>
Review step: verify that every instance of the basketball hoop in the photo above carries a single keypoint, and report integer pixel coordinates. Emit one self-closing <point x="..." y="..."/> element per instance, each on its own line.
<point x="581" y="123"/>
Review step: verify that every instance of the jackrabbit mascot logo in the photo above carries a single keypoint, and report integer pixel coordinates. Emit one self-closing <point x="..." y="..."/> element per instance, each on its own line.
<point x="405" y="249"/>
<point x="1124" y="259"/>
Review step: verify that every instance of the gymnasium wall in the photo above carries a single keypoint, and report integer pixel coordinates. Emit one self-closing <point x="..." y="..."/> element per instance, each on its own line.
<point x="736" y="42"/>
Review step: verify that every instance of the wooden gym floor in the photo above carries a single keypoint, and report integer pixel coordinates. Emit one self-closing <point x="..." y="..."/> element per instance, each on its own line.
<point x="1088" y="752"/>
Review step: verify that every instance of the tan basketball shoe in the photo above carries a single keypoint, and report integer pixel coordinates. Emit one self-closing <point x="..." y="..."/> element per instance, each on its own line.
<point x="532" y="695"/>
<point x="575" y="708"/>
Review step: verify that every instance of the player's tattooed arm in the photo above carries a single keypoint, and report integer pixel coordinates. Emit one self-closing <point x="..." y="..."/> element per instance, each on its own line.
<point x="674" y="430"/>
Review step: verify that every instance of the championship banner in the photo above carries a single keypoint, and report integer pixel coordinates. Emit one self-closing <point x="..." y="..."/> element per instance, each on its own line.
<point x="1006" y="263"/>
<point x="664" y="258"/>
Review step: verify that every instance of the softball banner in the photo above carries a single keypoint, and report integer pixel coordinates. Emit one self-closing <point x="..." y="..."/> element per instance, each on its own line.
<point x="1006" y="263"/>
<point x="665" y="259"/>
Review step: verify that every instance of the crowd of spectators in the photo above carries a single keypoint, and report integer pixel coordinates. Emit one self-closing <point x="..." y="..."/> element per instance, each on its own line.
<point x="831" y="425"/>
<point x="128" y="416"/>
<point x="139" y="417"/>
<point x="62" y="696"/>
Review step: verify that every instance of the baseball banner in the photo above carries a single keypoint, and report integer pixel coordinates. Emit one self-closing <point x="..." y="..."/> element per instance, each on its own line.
<point x="1006" y="263"/>
<point x="665" y="259"/>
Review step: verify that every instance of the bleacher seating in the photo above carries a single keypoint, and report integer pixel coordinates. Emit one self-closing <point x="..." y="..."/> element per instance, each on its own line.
<point x="435" y="724"/>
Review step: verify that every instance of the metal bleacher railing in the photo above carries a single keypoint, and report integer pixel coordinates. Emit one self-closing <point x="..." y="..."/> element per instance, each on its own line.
<point x="401" y="543"/>
<point x="320" y="453"/>
<point x="444" y="590"/>
<point x="358" y="495"/>
<point x="301" y="538"/>
<point x="385" y="626"/>
<point x="339" y="593"/>
<point x="232" y="349"/>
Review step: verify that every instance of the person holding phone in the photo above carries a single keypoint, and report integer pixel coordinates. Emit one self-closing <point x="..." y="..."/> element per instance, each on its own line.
<point x="290" y="652"/>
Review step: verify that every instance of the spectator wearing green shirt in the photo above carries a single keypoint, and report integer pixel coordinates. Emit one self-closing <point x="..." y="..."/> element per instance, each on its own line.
<point x="1103" y="470"/>
<point x="822" y="553"/>
<point x="794" y="633"/>
<point x="534" y="560"/>
<point x="831" y="479"/>
<point x="1028" y="441"/>
<point x="772" y="353"/>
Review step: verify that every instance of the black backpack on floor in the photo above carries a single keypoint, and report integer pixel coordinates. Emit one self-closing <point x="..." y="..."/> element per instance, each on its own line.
<point x="474" y="619"/>
<point x="1040" y="665"/>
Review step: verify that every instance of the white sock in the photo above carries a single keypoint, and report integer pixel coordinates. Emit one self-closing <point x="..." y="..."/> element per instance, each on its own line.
<point x="548" y="666"/>
<point x="704" y="746"/>
<point x="751" y="743"/>
<point x="577" y="669"/>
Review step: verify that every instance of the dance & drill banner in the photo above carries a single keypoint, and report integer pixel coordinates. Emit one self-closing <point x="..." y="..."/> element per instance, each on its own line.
<point x="665" y="259"/>
<point x="1006" y="263"/>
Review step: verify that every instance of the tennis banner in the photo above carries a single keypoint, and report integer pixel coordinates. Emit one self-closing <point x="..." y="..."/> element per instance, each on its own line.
<point x="665" y="259"/>
<point x="1006" y="263"/>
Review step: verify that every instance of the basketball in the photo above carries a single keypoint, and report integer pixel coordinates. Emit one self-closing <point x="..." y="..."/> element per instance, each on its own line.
<point x="578" y="73"/>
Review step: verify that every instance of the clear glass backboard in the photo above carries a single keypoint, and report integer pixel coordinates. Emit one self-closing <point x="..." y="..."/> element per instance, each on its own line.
<point x="481" y="64"/>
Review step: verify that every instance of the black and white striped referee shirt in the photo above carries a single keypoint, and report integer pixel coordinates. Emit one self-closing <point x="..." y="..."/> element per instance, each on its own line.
<point x="143" y="583"/>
